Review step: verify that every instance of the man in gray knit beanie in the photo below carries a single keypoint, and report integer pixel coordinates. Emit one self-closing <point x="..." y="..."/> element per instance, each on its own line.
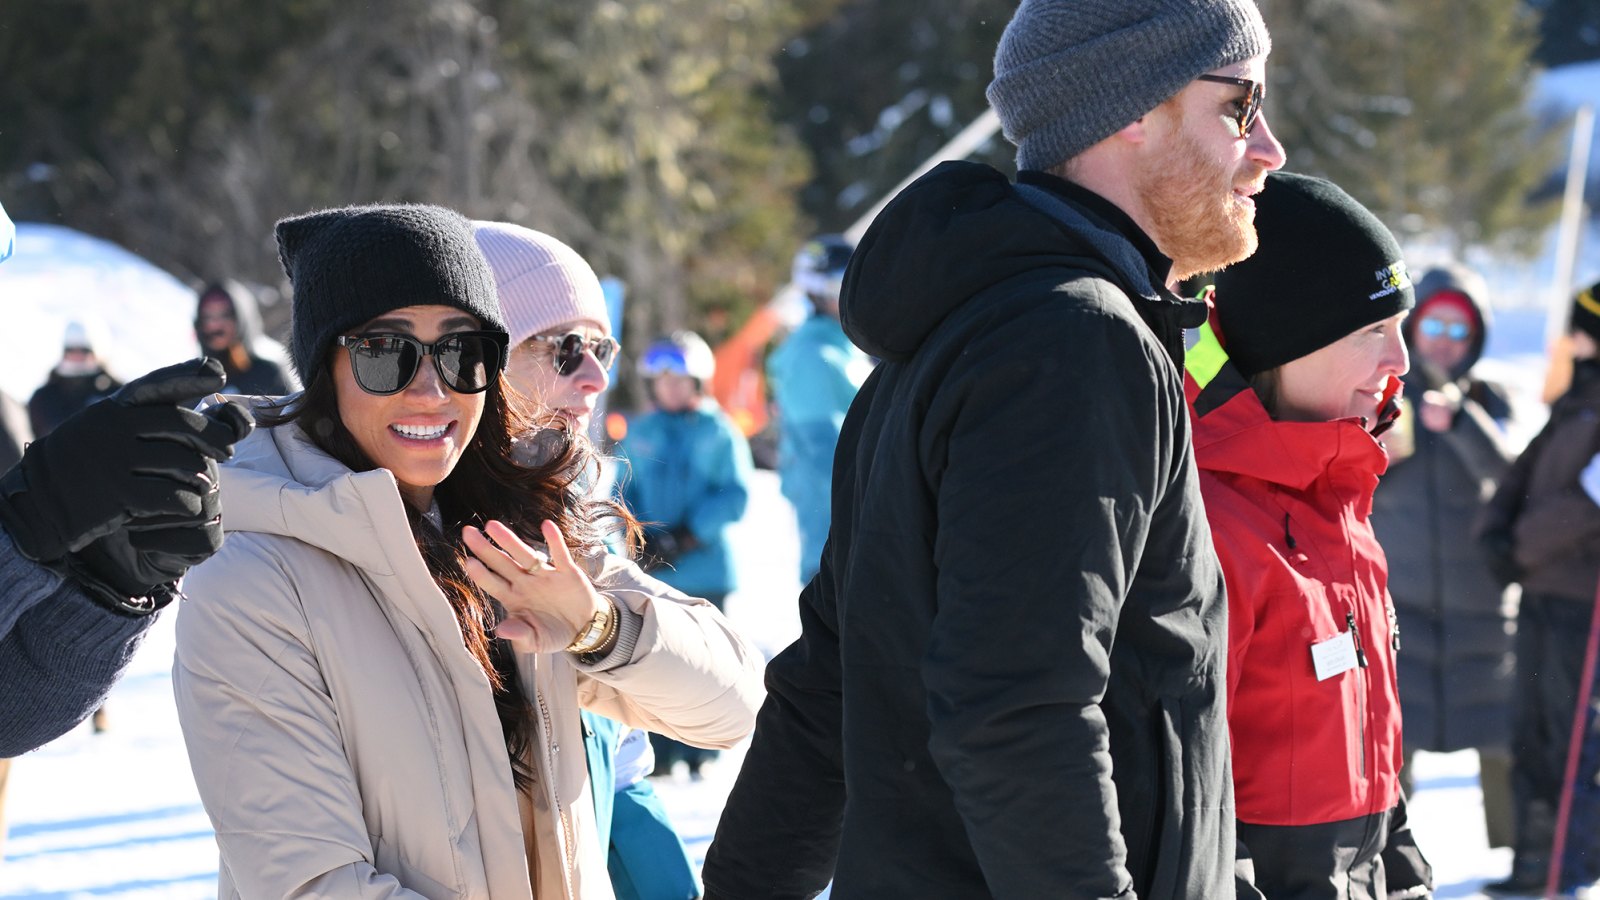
<point x="1108" y="94"/>
<point x="1069" y="74"/>
<point x="1010" y="675"/>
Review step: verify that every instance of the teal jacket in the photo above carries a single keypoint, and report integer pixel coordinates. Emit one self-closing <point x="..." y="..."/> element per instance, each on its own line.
<point x="690" y="470"/>
<point x="814" y="376"/>
<point x="646" y="859"/>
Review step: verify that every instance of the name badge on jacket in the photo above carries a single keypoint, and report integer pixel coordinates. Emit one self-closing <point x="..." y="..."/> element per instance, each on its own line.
<point x="1334" y="656"/>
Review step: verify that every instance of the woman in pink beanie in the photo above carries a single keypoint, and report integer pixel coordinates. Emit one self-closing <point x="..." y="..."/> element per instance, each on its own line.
<point x="561" y="355"/>
<point x="561" y="343"/>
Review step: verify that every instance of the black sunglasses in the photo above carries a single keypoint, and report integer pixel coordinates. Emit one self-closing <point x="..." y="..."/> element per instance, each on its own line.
<point x="570" y="347"/>
<point x="1249" y="107"/>
<point x="467" y="361"/>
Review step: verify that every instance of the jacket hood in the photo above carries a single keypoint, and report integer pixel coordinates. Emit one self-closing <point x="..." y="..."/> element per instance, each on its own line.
<point x="246" y="309"/>
<point x="954" y="232"/>
<point x="1234" y="433"/>
<point x="1469" y="284"/>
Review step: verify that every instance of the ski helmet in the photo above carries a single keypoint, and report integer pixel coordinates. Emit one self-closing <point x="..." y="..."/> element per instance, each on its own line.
<point x="679" y="353"/>
<point x="819" y="266"/>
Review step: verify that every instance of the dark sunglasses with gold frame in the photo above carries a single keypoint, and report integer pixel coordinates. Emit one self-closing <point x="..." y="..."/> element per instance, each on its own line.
<point x="1249" y="106"/>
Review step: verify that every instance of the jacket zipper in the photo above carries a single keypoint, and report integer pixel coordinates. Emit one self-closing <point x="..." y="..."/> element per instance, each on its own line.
<point x="1361" y="663"/>
<point x="551" y="748"/>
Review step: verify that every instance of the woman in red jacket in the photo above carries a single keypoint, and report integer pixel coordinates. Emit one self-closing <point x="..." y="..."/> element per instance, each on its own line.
<point x="1295" y="376"/>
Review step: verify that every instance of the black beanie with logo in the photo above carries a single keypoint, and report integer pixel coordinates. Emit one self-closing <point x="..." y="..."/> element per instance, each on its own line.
<point x="1325" y="267"/>
<point x="1586" y="311"/>
<point x="353" y="264"/>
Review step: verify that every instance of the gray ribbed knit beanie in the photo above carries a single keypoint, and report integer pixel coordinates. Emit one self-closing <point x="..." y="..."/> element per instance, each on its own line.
<point x="351" y="265"/>
<point x="1071" y="73"/>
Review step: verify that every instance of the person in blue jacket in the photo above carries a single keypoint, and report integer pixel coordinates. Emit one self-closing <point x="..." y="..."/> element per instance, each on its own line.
<point x="685" y="475"/>
<point x="814" y="376"/>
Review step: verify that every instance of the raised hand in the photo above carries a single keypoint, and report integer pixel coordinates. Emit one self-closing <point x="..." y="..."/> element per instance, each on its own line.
<point x="548" y="598"/>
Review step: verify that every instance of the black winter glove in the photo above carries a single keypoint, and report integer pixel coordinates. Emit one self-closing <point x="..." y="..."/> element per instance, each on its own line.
<point x="123" y="495"/>
<point x="663" y="546"/>
<point x="1500" y="558"/>
<point x="141" y="560"/>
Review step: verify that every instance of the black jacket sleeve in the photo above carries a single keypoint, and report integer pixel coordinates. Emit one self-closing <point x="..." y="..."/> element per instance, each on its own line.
<point x="1476" y="441"/>
<point x="779" y="833"/>
<point x="1497" y="522"/>
<point x="1058" y="436"/>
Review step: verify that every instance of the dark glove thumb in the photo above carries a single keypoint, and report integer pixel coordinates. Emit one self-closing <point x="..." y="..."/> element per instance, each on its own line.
<point x="184" y="384"/>
<point x="234" y="417"/>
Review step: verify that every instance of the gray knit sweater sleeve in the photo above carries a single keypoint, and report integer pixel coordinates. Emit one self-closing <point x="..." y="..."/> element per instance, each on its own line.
<point x="59" y="652"/>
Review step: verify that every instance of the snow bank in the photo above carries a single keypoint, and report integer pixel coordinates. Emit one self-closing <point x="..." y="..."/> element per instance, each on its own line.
<point x="59" y="275"/>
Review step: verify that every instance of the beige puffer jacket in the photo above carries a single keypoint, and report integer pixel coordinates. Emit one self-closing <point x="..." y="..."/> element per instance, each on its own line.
<point x="346" y="744"/>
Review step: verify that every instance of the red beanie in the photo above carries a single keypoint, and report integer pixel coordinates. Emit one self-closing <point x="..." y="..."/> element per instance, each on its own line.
<point x="1450" y="298"/>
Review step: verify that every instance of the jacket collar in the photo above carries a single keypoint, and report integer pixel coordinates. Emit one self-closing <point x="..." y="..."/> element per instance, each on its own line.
<point x="1108" y="216"/>
<point x="1140" y="273"/>
<point x="280" y="483"/>
<point x="1233" y="432"/>
<point x="964" y="229"/>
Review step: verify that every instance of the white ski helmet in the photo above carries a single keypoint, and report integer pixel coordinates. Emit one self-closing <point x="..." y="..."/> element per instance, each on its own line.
<point x="819" y="266"/>
<point x="679" y="353"/>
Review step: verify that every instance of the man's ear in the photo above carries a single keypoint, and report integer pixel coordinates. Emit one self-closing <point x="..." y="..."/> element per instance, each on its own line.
<point x="1136" y="132"/>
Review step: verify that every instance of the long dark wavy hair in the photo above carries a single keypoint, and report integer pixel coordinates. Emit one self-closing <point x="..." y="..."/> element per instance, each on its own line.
<point x="496" y="478"/>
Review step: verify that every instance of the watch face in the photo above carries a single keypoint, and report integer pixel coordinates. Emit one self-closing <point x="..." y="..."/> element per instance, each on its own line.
<point x="595" y="634"/>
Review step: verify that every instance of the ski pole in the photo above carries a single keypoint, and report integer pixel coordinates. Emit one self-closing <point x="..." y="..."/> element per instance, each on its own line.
<point x="1574" y="747"/>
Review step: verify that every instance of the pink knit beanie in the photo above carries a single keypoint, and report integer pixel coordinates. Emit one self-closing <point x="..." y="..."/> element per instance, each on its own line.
<point x="542" y="282"/>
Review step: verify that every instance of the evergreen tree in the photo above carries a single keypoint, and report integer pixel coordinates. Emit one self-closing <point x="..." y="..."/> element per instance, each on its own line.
<point x="1569" y="31"/>
<point x="1419" y="109"/>
<point x="663" y="138"/>
<point x="184" y="128"/>
<point x="874" y="87"/>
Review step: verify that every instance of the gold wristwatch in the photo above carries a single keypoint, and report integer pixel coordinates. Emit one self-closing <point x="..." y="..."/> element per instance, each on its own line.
<point x="598" y="631"/>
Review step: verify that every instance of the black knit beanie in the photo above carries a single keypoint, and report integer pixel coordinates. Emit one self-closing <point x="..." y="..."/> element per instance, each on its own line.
<point x="1586" y="311"/>
<point x="351" y="265"/>
<point x="1325" y="267"/>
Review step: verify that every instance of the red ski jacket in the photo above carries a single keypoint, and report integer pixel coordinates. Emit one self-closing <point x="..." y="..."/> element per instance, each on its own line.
<point x="1288" y="504"/>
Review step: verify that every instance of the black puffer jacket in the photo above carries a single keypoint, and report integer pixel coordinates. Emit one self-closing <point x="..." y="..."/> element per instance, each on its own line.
<point x="1456" y="669"/>
<point x="1019" y="595"/>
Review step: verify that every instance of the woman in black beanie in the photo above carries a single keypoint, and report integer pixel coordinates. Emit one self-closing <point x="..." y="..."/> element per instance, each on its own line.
<point x="377" y="674"/>
<point x="1295" y="376"/>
